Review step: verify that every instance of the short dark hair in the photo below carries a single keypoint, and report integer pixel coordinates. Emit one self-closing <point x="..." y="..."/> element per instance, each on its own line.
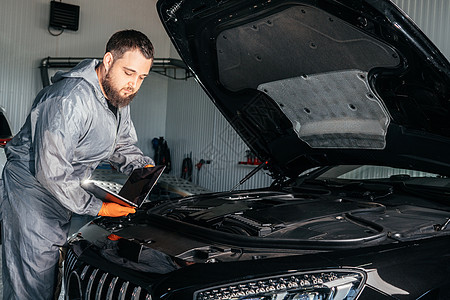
<point x="129" y="40"/>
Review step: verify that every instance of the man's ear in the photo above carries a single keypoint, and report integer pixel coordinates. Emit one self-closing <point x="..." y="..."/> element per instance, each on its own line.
<point x="108" y="60"/>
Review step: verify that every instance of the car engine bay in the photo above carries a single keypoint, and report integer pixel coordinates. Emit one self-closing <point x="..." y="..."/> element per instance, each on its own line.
<point x="318" y="215"/>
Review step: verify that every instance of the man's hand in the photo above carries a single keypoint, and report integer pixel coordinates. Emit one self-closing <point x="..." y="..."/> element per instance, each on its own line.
<point x="111" y="209"/>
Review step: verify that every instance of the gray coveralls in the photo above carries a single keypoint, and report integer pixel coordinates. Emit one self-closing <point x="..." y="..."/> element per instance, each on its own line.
<point x="68" y="132"/>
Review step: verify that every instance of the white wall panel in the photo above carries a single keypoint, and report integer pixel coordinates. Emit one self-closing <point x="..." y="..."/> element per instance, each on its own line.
<point x="24" y="41"/>
<point x="148" y="111"/>
<point x="195" y="127"/>
<point x="433" y="18"/>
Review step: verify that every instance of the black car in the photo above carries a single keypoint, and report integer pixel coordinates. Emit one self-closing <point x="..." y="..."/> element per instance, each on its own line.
<point x="347" y="104"/>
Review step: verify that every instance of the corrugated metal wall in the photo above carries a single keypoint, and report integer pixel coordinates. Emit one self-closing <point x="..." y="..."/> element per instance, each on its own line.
<point x="194" y="125"/>
<point x="433" y="17"/>
<point x="196" y="129"/>
<point x="24" y="41"/>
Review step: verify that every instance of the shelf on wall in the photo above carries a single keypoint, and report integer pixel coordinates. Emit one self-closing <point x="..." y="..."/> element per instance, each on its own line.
<point x="168" y="67"/>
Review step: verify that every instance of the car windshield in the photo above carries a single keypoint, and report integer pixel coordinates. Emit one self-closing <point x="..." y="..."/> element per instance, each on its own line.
<point x="369" y="172"/>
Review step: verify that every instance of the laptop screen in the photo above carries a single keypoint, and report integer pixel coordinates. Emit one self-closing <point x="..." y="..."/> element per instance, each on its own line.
<point x="140" y="183"/>
<point x="135" y="190"/>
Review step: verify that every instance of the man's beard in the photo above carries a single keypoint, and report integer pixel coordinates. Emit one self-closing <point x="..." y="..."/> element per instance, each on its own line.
<point x="113" y="94"/>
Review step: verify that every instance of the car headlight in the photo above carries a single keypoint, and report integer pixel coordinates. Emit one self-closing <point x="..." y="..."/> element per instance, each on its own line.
<point x="317" y="285"/>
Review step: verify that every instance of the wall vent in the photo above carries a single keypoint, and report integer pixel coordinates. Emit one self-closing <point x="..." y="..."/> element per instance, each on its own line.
<point x="64" y="16"/>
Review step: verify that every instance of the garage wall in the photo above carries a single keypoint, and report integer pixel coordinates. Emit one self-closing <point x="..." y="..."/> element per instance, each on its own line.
<point x="196" y="129"/>
<point x="194" y="125"/>
<point x="24" y="41"/>
<point x="433" y="17"/>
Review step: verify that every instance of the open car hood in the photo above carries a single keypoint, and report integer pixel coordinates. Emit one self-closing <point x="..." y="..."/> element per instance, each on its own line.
<point x="316" y="83"/>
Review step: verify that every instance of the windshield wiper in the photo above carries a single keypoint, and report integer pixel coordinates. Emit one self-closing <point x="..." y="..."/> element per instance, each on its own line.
<point x="436" y="194"/>
<point x="357" y="188"/>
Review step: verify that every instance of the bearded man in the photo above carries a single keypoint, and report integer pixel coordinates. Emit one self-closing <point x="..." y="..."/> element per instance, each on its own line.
<point x="83" y="118"/>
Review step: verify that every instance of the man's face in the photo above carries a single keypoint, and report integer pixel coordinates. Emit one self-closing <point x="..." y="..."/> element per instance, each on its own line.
<point x="124" y="77"/>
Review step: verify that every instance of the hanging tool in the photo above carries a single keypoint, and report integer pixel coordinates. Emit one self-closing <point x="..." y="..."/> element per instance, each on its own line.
<point x="186" y="169"/>
<point x="199" y="166"/>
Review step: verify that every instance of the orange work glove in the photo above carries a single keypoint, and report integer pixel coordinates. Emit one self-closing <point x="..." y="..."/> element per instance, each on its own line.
<point x="111" y="209"/>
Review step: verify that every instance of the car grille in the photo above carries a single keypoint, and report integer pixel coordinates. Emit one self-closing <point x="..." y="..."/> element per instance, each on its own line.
<point x="83" y="281"/>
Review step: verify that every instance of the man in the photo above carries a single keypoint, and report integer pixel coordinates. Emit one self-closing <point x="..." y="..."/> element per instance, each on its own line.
<point x="74" y="124"/>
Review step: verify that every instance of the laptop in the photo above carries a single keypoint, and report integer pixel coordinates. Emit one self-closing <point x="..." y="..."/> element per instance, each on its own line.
<point x="136" y="189"/>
